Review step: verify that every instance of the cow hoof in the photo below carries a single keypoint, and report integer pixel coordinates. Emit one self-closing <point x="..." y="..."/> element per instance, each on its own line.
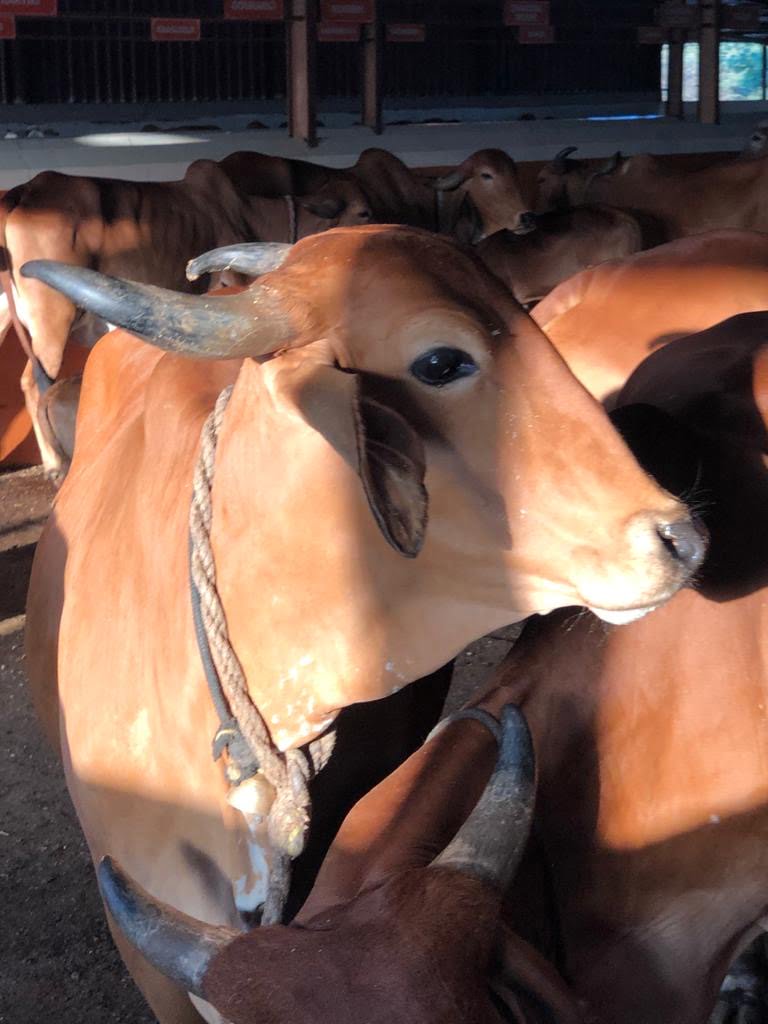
<point x="743" y="996"/>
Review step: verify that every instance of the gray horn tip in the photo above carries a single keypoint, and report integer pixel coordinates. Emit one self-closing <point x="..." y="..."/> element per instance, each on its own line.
<point x="251" y="258"/>
<point x="39" y="269"/>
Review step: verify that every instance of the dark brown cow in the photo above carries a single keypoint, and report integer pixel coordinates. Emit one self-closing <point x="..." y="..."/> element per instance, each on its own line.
<point x="399" y="926"/>
<point x="564" y="243"/>
<point x="144" y="230"/>
<point x="651" y="738"/>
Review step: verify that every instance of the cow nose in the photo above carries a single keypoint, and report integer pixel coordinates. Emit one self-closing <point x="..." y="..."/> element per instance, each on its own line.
<point x="527" y="221"/>
<point x="686" y="541"/>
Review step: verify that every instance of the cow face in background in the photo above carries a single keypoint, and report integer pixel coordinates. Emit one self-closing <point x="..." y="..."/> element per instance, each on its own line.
<point x="489" y="179"/>
<point x="565" y="182"/>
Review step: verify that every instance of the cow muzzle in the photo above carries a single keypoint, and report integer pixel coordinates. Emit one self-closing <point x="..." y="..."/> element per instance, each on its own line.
<point x="668" y="552"/>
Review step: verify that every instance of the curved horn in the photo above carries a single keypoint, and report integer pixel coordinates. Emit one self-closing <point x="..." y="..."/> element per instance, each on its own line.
<point x="179" y="946"/>
<point x="558" y="162"/>
<point x="449" y="182"/>
<point x="610" y="165"/>
<point x="210" y="327"/>
<point x="491" y="841"/>
<point x="252" y="258"/>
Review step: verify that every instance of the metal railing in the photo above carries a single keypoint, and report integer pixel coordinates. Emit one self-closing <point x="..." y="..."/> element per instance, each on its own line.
<point x="100" y="52"/>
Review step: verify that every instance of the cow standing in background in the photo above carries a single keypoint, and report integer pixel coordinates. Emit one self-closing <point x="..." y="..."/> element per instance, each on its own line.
<point x="669" y="201"/>
<point x="145" y="231"/>
<point x="480" y="196"/>
<point x="413" y="467"/>
<point x="564" y="243"/>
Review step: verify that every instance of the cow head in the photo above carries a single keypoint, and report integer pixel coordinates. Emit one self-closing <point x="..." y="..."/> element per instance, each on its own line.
<point x="411" y="937"/>
<point x="565" y="182"/>
<point x="341" y="204"/>
<point x="392" y="388"/>
<point x="489" y="179"/>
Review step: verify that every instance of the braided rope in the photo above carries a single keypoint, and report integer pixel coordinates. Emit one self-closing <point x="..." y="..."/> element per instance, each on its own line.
<point x="288" y="772"/>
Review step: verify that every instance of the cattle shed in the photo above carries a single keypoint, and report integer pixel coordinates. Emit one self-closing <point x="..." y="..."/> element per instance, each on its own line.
<point x="139" y="90"/>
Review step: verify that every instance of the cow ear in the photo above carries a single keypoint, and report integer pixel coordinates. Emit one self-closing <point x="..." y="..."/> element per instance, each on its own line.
<point x="391" y="466"/>
<point x="377" y="441"/>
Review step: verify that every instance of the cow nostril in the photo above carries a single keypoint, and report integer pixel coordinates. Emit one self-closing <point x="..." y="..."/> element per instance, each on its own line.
<point x="685" y="541"/>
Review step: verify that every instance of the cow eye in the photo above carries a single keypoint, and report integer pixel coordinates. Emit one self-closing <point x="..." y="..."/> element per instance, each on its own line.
<point x="441" y="366"/>
<point x="486" y="175"/>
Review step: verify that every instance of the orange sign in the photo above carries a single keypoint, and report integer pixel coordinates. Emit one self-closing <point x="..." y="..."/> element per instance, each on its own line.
<point x="7" y="26"/>
<point x="38" y="8"/>
<point x="522" y="13"/>
<point x="535" y="34"/>
<point x="254" y="10"/>
<point x="402" y="33"/>
<point x="175" y="30"/>
<point x="334" y="32"/>
<point x="351" y="12"/>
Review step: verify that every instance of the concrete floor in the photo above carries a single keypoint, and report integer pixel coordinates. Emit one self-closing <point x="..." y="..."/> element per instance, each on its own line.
<point x="125" y="151"/>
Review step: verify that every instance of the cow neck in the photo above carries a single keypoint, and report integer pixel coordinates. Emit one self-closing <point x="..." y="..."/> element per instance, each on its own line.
<point x="242" y="731"/>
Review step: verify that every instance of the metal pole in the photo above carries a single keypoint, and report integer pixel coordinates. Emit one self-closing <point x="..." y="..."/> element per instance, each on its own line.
<point x="709" y="62"/>
<point x="301" y="41"/>
<point x="373" y="71"/>
<point x="675" y="73"/>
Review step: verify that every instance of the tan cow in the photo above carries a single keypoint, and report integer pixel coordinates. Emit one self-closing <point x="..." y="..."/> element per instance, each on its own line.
<point x="389" y="399"/>
<point x="606" y="320"/>
<point x="651" y="739"/>
<point x="144" y="230"/>
<point x="480" y="196"/>
<point x="564" y="243"/>
<point x="671" y="202"/>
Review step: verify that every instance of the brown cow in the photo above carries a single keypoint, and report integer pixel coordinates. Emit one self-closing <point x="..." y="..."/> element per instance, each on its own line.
<point x="397" y="360"/>
<point x="480" y="196"/>
<point x="411" y="932"/>
<point x="651" y="739"/>
<point x="564" y="243"/>
<point x="670" y="201"/>
<point x="144" y="230"/>
<point x="605" y="321"/>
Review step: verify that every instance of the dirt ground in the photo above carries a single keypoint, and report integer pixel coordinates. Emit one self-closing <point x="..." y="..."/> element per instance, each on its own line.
<point x="57" y="961"/>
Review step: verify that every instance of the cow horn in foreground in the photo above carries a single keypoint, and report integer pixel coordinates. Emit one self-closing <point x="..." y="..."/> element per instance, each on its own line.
<point x="491" y="841"/>
<point x="558" y="163"/>
<point x="252" y="258"/>
<point x="176" y="944"/>
<point x="252" y="322"/>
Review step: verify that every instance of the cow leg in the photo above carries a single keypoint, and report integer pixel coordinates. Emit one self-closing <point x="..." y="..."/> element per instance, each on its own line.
<point x="31" y="390"/>
<point x="169" y="1003"/>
